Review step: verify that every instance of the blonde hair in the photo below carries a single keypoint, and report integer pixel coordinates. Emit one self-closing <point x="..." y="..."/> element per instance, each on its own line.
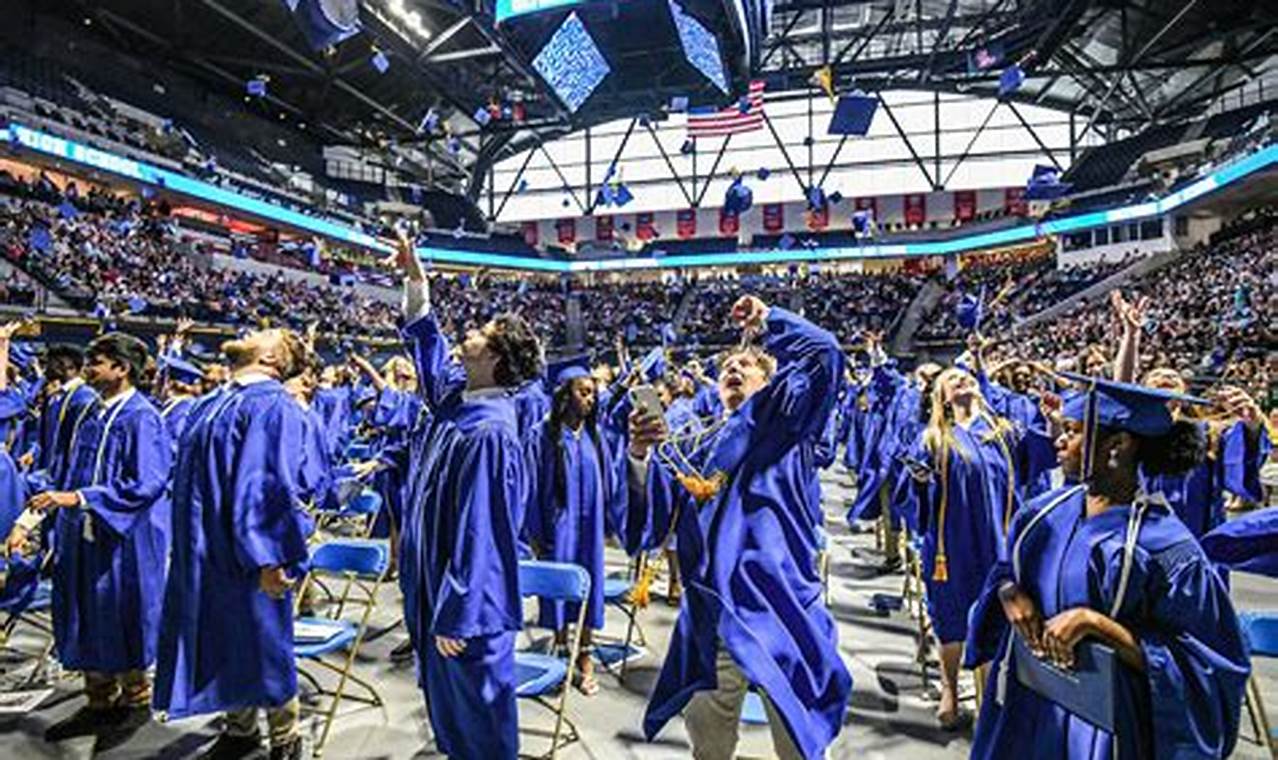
<point x="939" y="435"/>
<point x="398" y="366"/>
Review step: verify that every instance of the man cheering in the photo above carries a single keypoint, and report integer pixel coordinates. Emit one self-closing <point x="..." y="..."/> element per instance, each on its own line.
<point x="752" y="613"/>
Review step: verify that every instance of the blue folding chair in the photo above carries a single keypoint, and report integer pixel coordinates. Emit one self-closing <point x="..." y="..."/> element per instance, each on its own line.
<point x="538" y="676"/>
<point x="363" y="565"/>
<point x="618" y="593"/>
<point x="360" y="510"/>
<point x="1261" y="632"/>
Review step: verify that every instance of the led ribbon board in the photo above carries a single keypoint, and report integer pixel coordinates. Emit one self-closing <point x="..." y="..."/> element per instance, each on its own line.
<point x="507" y="9"/>
<point x="69" y="150"/>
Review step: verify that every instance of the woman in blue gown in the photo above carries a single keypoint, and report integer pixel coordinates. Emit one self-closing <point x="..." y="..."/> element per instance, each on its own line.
<point x="968" y="460"/>
<point x="574" y="483"/>
<point x="1103" y="561"/>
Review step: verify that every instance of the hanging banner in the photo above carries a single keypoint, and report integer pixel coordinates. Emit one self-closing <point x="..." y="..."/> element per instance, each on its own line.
<point x="915" y="209"/>
<point x="686" y="222"/>
<point x="530" y="234"/>
<point x="567" y="229"/>
<point x="818" y="218"/>
<point x="603" y="228"/>
<point x="773" y="217"/>
<point x="643" y="226"/>
<point x="729" y="223"/>
<point x="1014" y="201"/>
<point x="964" y="205"/>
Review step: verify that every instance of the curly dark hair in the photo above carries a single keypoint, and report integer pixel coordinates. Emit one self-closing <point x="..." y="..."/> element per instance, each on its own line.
<point x="1179" y="450"/>
<point x="517" y="350"/>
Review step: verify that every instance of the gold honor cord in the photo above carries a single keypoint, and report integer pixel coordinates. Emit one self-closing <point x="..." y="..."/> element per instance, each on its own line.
<point x="671" y="452"/>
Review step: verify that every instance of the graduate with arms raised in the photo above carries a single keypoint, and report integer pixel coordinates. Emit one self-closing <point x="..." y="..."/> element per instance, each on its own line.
<point x="752" y="613"/>
<point x="1102" y="561"/>
<point x="463" y="512"/>
<point x="239" y="536"/>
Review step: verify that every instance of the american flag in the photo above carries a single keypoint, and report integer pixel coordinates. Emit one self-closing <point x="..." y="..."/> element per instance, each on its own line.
<point x="711" y="122"/>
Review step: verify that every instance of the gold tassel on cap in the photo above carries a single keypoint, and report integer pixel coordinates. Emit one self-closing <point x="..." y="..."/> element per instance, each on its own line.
<point x="940" y="569"/>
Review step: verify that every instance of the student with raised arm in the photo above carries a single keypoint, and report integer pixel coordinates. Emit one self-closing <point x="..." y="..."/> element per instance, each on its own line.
<point x="462" y="515"/>
<point x="752" y="613"/>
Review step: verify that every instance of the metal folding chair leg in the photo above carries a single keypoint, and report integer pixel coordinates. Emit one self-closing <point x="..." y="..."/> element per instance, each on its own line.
<point x="1259" y="719"/>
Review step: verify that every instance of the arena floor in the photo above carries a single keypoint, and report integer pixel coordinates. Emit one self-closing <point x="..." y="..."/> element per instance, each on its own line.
<point x="890" y="715"/>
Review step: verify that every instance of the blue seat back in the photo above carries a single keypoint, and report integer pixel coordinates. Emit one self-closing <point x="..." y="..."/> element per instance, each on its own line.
<point x="357" y="451"/>
<point x="365" y="502"/>
<point x="554" y="580"/>
<point x="364" y="558"/>
<point x="1260" y="629"/>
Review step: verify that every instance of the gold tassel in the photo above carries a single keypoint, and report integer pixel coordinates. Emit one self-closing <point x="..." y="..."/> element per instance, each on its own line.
<point x="641" y="593"/>
<point x="940" y="569"/>
<point x="702" y="489"/>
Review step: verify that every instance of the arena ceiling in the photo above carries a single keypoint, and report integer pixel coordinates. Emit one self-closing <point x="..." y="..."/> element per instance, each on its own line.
<point x="1114" y="63"/>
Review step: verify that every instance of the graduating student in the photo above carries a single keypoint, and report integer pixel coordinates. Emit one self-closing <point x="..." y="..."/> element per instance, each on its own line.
<point x="1238" y="441"/>
<point x="182" y="385"/>
<point x="239" y="536"/>
<point x="753" y="612"/>
<point x="110" y="541"/>
<point x="463" y="511"/>
<point x="65" y="408"/>
<point x="574" y="483"/>
<point x="1248" y="543"/>
<point x="13" y="407"/>
<point x="969" y="496"/>
<point x="1102" y="561"/>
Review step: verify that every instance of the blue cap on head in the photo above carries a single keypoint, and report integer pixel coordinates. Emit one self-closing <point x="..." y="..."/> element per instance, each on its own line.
<point x="181" y="370"/>
<point x="21" y="355"/>
<point x="653" y="364"/>
<point x="566" y="369"/>
<point x="1123" y="406"/>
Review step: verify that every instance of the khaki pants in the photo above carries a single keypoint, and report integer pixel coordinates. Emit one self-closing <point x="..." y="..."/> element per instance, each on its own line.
<point x="132" y="688"/>
<point x="282" y="722"/>
<point x="713" y="718"/>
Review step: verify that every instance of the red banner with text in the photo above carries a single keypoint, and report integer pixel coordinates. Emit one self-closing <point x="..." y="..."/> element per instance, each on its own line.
<point x="964" y="205"/>
<point x="773" y="217"/>
<point x="686" y="222"/>
<point x="567" y="229"/>
<point x="915" y="209"/>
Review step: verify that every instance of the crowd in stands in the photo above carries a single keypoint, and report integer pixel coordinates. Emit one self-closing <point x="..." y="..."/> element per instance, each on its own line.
<point x="1212" y="312"/>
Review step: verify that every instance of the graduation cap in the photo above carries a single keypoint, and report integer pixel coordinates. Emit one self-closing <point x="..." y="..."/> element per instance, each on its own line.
<point x="1120" y="406"/>
<point x="862" y="219"/>
<point x="739" y="197"/>
<point x="786" y="242"/>
<point x="763" y="173"/>
<point x="853" y="115"/>
<point x="1010" y="80"/>
<point x="482" y="116"/>
<point x="1045" y="184"/>
<point x="256" y="87"/>
<point x="380" y="61"/>
<point x="181" y="370"/>
<point x="565" y="370"/>
<point x="689" y="147"/>
<point x="970" y="309"/>
<point x="679" y="104"/>
<point x="429" y="121"/>
<point x="653" y="364"/>
<point x="21" y="355"/>
<point x="816" y="198"/>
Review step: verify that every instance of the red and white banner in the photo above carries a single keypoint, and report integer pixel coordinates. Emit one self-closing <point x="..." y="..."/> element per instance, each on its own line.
<point x="729" y="223"/>
<point x="603" y="228"/>
<point x="964" y="205"/>
<point x="1014" y="201"/>
<point x="530" y="234"/>
<point x="773" y="217"/>
<point x="567" y="229"/>
<point x="644" y="229"/>
<point x="686" y="223"/>
<point x="915" y="209"/>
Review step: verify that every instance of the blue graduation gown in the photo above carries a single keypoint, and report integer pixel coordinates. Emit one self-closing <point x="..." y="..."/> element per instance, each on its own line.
<point x="333" y="405"/>
<point x="871" y="428"/>
<point x="394" y="414"/>
<point x="1248" y="543"/>
<point x="1185" y="705"/>
<point x="570" y="527"/>
<point x="237" y="495"/>
<point x="12" y="486"/>
<point x="979" y="496"/>
<point x="110" y="556"/>
<point x="1034" y="474"/>
<point x="532" y="404"/>
<point x="748" y="556"/>
<point x="62" y="416"/>
<point x="1198" y="496"/>
<point x="175" y="412"/>
<point x="466" y="488"/>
